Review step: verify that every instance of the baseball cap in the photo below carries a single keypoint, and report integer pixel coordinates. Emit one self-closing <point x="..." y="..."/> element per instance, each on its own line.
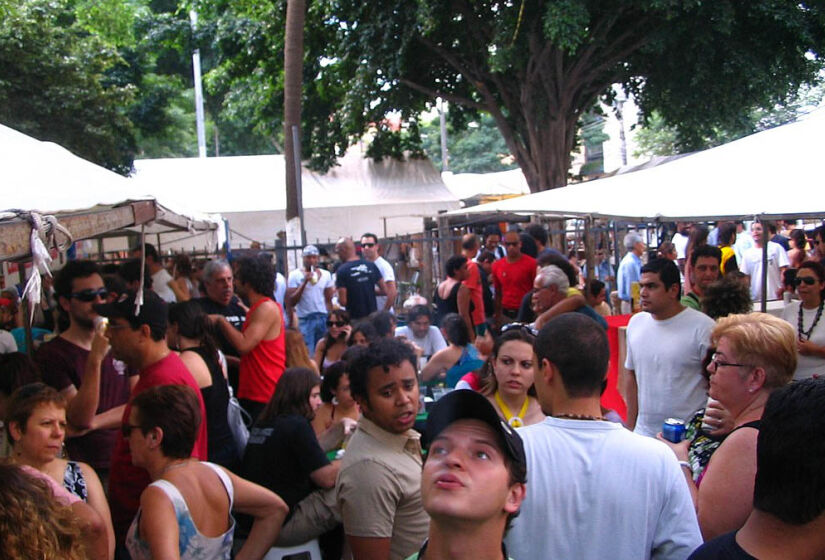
<point x="154" y="311"/>
<point x="463" y="404"/>
<point x="311" y="250"/>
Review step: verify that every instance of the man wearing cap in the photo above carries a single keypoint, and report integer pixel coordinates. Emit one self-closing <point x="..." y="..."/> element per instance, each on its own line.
<point x="473" y="481"/>
<point x="379" y="483"/>
<point x="630" y="269"/>
<point x="140" y="341"/>
<point x="309" y="292"/>
<point x="596" y="489"/>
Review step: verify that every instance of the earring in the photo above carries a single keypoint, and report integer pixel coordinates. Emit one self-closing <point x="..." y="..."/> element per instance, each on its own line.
<point x="335" y="401"/>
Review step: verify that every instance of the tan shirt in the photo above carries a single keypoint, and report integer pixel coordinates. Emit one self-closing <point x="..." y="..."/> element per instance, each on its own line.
<point x="379" y="488"/>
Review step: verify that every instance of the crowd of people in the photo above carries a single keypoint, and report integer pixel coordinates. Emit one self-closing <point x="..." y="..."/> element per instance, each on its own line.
<point x="471" y="426"/>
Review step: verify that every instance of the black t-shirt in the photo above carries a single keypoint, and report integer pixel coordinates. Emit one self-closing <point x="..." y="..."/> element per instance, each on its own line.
<point x="724" y="547"/>
<point x="359" y="278"/>
<point x="234" y="314"/>
<point x="281" y="454"/>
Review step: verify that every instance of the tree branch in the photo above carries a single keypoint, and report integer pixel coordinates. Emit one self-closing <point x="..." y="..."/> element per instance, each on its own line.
<point x="444" y="95"/>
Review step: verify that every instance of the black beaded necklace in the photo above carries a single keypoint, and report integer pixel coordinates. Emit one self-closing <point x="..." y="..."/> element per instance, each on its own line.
<point x="800" y="330"/>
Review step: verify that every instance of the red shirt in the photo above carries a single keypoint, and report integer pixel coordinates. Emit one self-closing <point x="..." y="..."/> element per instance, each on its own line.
<point x="262" y="367"/>
<point x="126" y="481"/>
<point x="513" y="280"/>
<point x="473" y="283"/>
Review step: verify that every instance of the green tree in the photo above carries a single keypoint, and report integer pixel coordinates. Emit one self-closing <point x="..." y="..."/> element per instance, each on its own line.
<point x="53" y="83"/>
<point x="537" y="65"/>
<point x="656" y="137"/>
<point x="477" y="149"/>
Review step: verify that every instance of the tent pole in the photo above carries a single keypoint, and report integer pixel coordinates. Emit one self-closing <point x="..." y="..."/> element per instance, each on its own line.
<point x="764" y="279"/>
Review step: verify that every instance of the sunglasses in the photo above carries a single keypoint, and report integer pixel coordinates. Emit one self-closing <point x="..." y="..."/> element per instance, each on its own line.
<point x="521" y="326"/>
<point x="90" y="294"/>
<point x="367" y="245"/>
<point x="126" y="430"/>
<point x="511" y="243"/>
<point x="336" y="323"/>
<point x="809" y="280"/>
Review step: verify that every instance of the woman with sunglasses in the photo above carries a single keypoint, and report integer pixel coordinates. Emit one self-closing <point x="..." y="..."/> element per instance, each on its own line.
<point x="330" y="348"/>
<point x="805" y="316"/>
<point x="185" y="512"/>
<point x="755" y="355"/>
<point x="510" y="386"/>
<point x="36" y="424"/>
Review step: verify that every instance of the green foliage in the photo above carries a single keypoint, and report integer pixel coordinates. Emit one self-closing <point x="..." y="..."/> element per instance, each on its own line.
<point x="655" y="137"/>
<point x="53" y="85"/>
<point x="477" y="149"/>
<point x="111" y="20"/>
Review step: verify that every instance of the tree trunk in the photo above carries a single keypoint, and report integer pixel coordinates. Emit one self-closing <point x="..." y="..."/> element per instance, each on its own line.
<point x="546" y="160"/>
<point x="293" y="77"/>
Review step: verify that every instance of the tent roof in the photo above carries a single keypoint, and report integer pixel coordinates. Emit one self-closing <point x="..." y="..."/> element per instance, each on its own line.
<point x="256" y="183"/>
<point x="469" y="185"/>
<point x="757" y="175"/>
<point x="88" y="200"/>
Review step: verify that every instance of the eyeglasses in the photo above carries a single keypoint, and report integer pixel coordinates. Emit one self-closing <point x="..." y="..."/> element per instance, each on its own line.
<point x="336" y="323"/>
<point x="367" y="245"/>
<point x="126" y="429"/>
<point x="90" y="294"/>
<point x="717" y="363"/>
<point x="511" y="243"/>
<point x="521" y="326"/>
<point x="809" y="280"/>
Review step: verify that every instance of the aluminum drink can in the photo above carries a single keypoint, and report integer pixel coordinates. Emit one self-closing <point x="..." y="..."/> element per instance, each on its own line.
<point x="673" y="430"/>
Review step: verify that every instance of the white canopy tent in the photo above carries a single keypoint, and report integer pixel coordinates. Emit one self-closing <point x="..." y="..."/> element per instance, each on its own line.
<point x="772" y="175"/>
<point x="45" y="178"/>
<point x="388" y="197"/>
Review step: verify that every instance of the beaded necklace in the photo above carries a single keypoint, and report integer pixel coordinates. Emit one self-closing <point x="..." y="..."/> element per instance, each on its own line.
<point x="800" y="329"/>
<point x="579" y="416"/>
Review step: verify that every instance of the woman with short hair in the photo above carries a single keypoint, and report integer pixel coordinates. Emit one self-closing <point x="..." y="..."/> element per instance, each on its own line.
<point x="36" y="425"/>
<point x="185" y="512"/>
<point x="755" y="355"/>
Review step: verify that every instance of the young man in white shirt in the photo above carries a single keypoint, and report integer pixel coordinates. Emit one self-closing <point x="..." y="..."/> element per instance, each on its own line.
<point x="595" y="490"/>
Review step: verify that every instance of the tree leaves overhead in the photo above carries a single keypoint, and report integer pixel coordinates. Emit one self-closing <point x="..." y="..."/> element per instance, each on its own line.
<point x="53" y="86"/>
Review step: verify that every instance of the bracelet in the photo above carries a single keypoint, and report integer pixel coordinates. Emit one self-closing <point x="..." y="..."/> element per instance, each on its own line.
<point x="686" y="465"/>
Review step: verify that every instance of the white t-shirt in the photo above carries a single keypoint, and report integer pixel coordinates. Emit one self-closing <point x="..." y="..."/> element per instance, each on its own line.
<point x="160" y="285"/>
<point x="744" y="241"/>
<point x="806" y="366"/>
<point x="595" y="491"/>
<point x="432" y="343"/>
<point x="280" y="289"/>
<point x="667" y="358"/>
<point x="7" y="342"/>
<point x="680" y="241"/>
<point x="388" y="274"/>
<point x="312" y="298"/>
<point x="752" y="266"/>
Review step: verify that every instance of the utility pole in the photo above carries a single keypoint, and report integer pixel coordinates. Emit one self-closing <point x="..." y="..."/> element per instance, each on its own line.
<point x="199" y="117"/>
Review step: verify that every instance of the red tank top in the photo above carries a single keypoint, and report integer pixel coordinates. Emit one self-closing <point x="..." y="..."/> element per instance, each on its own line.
<point x="262" y="367"/>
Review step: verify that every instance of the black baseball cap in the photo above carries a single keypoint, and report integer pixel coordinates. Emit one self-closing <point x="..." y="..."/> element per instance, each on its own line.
<point x="153" y="312"/>
<point x="464" y="404"/>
